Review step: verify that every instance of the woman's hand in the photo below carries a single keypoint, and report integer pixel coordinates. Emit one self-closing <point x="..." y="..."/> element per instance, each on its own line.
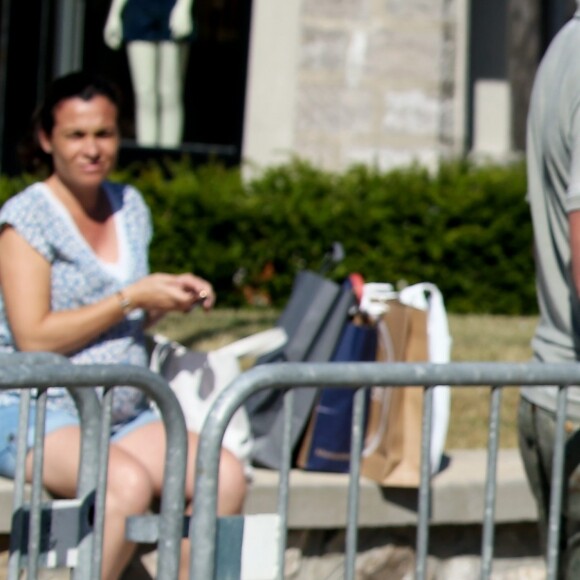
<point x="163" y="293"/>
<point x="201" y="288"/>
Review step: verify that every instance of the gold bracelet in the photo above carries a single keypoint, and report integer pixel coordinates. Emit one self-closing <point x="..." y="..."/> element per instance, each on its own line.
<point x="124" y="302"/>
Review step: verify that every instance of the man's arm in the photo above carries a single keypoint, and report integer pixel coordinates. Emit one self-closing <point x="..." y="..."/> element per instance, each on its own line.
<point x="574" y="224"/>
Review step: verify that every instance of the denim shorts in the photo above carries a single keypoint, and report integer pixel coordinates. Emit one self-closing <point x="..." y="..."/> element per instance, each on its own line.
<point x="55" y="419"/>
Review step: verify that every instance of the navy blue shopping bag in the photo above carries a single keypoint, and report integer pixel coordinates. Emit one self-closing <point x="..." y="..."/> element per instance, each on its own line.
<point x="327" y="441"/>
<point x="314" y="321"/>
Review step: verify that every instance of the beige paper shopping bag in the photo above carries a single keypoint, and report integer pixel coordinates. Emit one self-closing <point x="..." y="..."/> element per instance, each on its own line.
<point x="392" y="452"/>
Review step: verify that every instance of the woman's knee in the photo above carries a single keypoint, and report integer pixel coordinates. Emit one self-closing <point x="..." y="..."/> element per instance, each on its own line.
<point x="232" y="484"/>
<point x="129" y="487"/>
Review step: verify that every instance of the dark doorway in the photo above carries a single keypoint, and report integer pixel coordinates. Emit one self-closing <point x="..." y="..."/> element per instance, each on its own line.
<point x="26" y="43"/>
<point x="214" y="90"/>
<point x="487" y="52"/>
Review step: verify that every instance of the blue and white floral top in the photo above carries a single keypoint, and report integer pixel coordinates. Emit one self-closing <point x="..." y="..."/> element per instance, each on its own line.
<point x="79" y="278"/>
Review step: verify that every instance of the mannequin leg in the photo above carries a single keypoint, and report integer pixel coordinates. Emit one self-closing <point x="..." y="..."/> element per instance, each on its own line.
<point x="143" y="64"/>
<point x="171" y="59"/>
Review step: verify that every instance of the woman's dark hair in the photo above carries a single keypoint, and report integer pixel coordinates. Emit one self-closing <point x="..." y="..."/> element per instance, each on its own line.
<point x="82" y="85"/>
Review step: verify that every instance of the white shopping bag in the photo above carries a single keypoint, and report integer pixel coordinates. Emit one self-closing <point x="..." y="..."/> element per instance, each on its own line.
<point x="197" y="378"/>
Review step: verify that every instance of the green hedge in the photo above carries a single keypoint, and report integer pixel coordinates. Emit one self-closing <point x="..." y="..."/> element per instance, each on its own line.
<point x="466" y="228"/>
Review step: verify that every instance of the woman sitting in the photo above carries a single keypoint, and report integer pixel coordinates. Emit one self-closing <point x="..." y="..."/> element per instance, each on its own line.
<point x="74" y="280"/>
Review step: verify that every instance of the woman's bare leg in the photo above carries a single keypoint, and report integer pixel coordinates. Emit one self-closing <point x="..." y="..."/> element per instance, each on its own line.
<point x="129" y="491"/>
<point x="148" y="444"/>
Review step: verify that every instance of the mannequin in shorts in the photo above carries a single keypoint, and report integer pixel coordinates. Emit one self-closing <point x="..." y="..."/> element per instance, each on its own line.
<point x="155" y="32"/>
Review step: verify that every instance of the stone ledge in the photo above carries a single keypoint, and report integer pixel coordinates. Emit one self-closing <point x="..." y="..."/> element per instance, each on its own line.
<point x="319" y="500"/>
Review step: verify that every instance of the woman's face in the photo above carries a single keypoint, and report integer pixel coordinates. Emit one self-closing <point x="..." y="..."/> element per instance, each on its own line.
<point x="84" y="141"/>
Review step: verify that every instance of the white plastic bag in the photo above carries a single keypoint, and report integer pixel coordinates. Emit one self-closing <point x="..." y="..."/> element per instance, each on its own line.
<point x="197" y="378"/>
<point x="427" y="296"/>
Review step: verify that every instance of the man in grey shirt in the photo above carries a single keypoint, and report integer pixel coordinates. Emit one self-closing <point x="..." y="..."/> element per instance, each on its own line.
<point x="553" y="162"/>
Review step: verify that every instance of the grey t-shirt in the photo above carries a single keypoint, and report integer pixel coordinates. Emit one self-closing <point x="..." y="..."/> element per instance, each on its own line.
<point x="553" y="165"/>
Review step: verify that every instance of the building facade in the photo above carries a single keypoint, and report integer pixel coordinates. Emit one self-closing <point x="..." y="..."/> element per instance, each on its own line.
<point x="384" y="82"/>
<point x="392" y="82"/>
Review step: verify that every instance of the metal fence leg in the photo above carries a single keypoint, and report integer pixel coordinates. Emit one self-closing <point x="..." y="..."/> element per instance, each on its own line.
<point x="17" y="536"/>
<point x="425" y="487"/>
<point x="357" y="440"/>
<point x="557" y="485"/>
<point x="101" y="483"/>
<point x="34" y="521"/>
<point x="284" y="491"/>
<point x="490" y="484"/>
<point x="89" y="409"/>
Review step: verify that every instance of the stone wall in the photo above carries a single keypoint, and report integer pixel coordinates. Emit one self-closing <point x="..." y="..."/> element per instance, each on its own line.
<point x="383" y="553"/>
<point x="376" y="82"/>
<point x="454" y="554"/>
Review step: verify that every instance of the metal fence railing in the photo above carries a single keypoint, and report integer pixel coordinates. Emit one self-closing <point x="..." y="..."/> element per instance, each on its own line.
<point x="205" y="550"/>
<point x="43" y="533"/>
<point x="43" y="371"/>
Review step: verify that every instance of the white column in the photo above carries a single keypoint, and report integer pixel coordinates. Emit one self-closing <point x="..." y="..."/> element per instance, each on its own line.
<point x="492" y="118"/>
<point x="272" y="82"/>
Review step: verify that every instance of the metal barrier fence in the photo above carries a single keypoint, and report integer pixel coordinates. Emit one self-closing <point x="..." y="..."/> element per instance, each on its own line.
<point x="288" y="376"/>
<point x="30" y="520"/>
<point x="43" y="371"/>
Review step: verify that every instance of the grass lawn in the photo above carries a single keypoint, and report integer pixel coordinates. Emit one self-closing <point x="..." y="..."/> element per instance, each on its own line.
<point x="486" y="338"/>
<point x="475" y="338"/>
